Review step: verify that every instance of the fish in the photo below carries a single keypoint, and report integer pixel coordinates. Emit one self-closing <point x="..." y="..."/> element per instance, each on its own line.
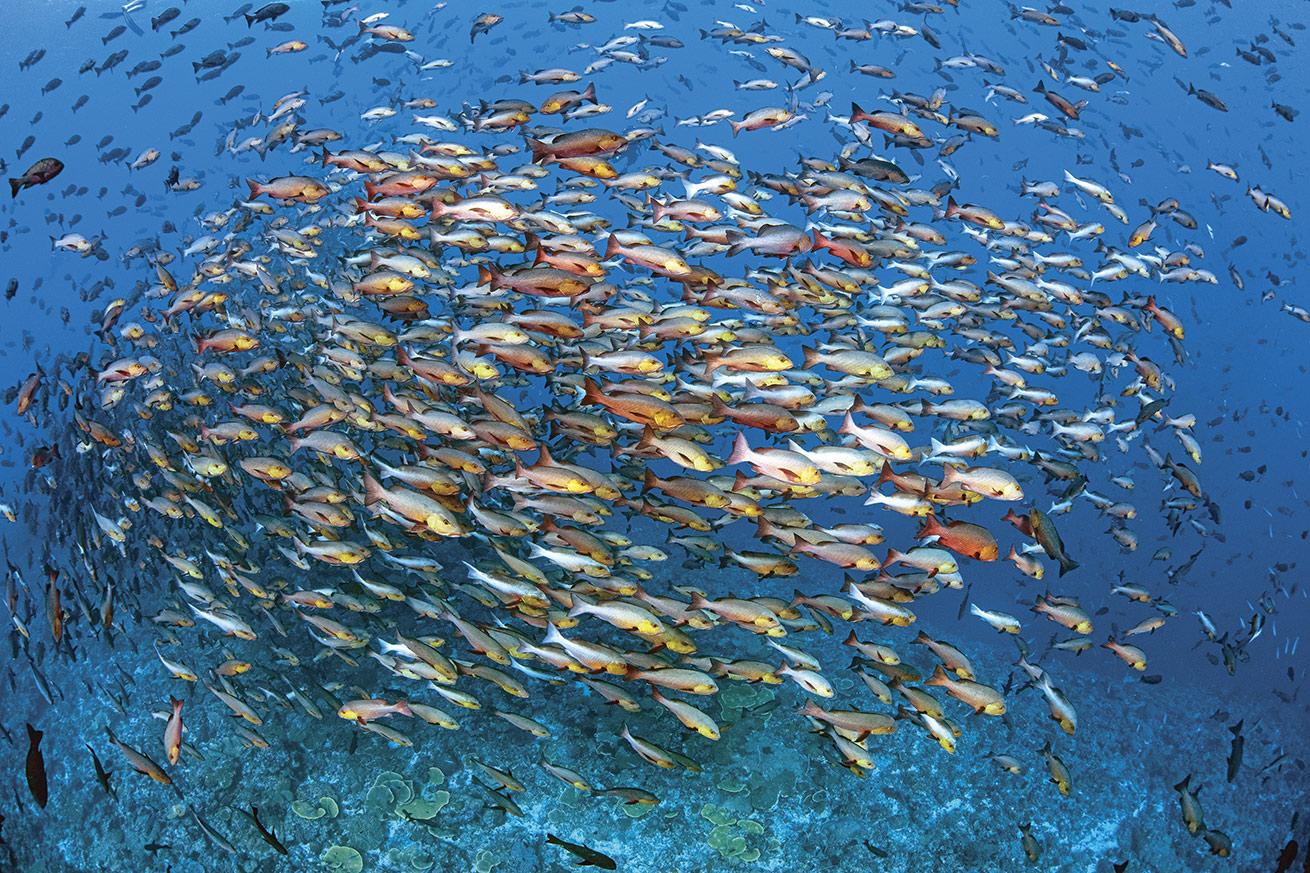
<point x="102" y="775"/>
<point x="1031" y="848"/>
<point x="1287" y="857"/>
<point x="1190" y="804"/>
<point x="139" y="761"/>
<point x="483" y="23"/>
<point x="213" y="835"/>
<point x="1057" y="769"/>
<point x="39" y="173"/>
<point x="269" y="12"/>
<point x="1044" y="532"/>
<point x="37" y="782"/>
<point x="265" y="833"/>
<point x="173" y="732"/>
<point x="587" y="856"/>
<point x="1235" y="751"/>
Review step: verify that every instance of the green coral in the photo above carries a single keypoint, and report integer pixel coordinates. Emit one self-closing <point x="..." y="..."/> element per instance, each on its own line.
<point x="324" y="807"/>
<point x="714" y="815"/>
<point x="306" y="810"/>
<point x="733" y="784"/>
<point x="410" y="858"/>
<point x="380" y="800"/>
<point x="393" y="795"/>
<point x="738" y="698"/>
<point x="731" y="837"/>
<point x="342" y="859"/>
<point x="425" y="808"/>
<point x="720" y="839"/>
<point x="743" y="695"/>
<point x="401" y="789"/>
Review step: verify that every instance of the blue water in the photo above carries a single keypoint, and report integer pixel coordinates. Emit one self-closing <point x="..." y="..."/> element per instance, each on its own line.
<point x="769" y="795"/>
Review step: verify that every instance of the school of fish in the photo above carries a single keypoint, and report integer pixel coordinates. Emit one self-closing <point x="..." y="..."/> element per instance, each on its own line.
<point x="417" y="423"/>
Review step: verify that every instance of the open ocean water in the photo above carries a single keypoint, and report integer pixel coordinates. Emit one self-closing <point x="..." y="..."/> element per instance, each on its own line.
<point x="654" y="436"/>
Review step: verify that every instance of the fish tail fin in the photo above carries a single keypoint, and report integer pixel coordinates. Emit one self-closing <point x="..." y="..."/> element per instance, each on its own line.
<point x="255" y="189"/>
<point x="612" y="246"/>
<point x="580" y="606"/>
<point x="540" y="150"/>
<point x="741" y="450"/>
<point x="931" y="526"/>
<point x="372" y="490"/>
<point x="590" y="94"/>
